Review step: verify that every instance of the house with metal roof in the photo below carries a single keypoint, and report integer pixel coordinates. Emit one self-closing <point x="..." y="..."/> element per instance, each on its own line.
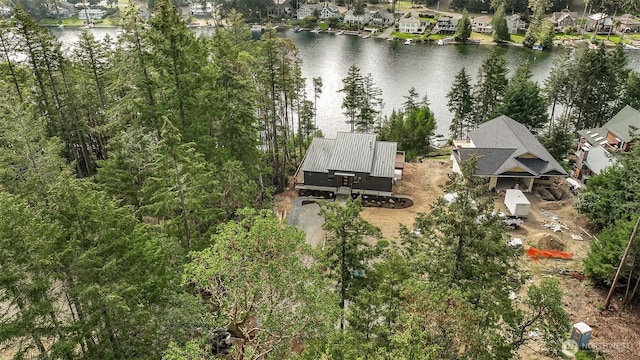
<point x="598" y="148"/>
<point x="352" y="163"/>
<point x="508" y="155"/>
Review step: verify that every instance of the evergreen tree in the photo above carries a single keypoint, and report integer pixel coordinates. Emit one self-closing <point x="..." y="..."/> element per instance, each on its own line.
<point x="353" y="95"/>
<point x="499" y="24"/>
<point x="233" y="125"/>
<point x="460" y="104"/>
<point x="180" y="191"/>
<point x="463" y="28"/>
<point x="557" y="141"/>
<point x="317" y="90"/>
<point x="346" y="254"/>
<point x="631" y="91"/>
<point x="611" y="195"/>
<point x="522" y="100"/>
<point x="370" y="106"/>
<point x="605" y="255"/>
<point x="176" y="58"/>
<point x="411" y="100"/>
<point x="490" y="88"/>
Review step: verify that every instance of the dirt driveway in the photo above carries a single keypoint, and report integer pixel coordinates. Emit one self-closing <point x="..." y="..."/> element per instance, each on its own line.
<point x="616" y="332"/>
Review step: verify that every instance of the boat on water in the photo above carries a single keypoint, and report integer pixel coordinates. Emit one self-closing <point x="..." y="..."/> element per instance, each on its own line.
<point x="256" y="27"/>
<point x="365" y="36"/>
<point x="408" y="42"/>
<point x="438" y="140"/>
<point x="296" y="29"/>
<point x="340" y="32"/>
<point x="316" y="31"/>
<point x="630" y="47"/>
<point x="440" y="42"/>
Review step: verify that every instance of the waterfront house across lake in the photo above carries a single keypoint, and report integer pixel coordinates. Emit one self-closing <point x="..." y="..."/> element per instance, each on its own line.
<point x="445" y="24"/>
<point x="628" y="23"/>
<point x="352" y="163"/>
<point x="564" y="19"/>
<point x="508" y="155"/>
<point x="412" y="25"/>
<point x="482" y="24"/>
<point x="351" y="18"/>
<point x="600" y="23"/>
<point x="382" y="17"/>
<point x="325" y="11"/>
<point x="515" y="24"/>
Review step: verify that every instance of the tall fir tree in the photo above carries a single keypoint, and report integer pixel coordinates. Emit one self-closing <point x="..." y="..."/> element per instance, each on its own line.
<point x="523" y="102"/>
<point x="499" y="23"/>
<point x="460" y="104"/>
<point x="489" y="90"/>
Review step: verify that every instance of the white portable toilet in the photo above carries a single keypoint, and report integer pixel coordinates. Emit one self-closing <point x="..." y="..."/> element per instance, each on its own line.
<point x="581" y="334"/>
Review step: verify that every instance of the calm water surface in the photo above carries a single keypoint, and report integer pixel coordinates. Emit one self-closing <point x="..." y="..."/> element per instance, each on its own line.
<point x="395" y="68"/>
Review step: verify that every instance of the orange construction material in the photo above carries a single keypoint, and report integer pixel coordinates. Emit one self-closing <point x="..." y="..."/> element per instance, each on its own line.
<point x="556" y="254"/>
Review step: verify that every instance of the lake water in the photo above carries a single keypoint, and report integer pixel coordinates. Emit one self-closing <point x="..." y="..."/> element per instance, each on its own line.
<point x="395" y="68"/>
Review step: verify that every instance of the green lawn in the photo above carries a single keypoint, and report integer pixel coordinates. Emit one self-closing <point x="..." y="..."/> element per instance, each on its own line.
<point x="72" y="21"/>
<point x="517" y="38"/>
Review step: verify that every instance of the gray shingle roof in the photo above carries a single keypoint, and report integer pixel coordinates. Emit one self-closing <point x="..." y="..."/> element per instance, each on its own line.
<point x="351" y="152"/>
<point x="506" y="133"/>
<point x="489" y="160"/>
<point x="620" y="123"/>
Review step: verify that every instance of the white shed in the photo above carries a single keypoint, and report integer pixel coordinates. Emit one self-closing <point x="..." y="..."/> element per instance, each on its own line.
<point x="517" y="203"/>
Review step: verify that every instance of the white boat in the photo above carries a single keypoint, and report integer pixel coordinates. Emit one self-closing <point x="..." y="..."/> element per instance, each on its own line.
<point x="255" y="27"/>
<point x="340" y="32"/>
<point x="408" y="42"/>
<point x="315" y="31"/>
<point x="440" y="42"/>
<point x="438" y="140"/>
<point x="365" y="36"/>
<point x="631" y="47"/>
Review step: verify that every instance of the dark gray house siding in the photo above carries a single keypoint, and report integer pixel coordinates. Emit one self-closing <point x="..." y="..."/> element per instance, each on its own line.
<point x="352" y="163"/>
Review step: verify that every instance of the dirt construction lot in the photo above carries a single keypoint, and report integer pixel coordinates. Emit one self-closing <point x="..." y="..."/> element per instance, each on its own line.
<point x="550" y="225"/>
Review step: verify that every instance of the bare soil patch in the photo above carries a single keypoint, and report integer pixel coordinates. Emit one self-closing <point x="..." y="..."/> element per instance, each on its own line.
<point x="551" y="225"/>
<point x="421" y="182"/>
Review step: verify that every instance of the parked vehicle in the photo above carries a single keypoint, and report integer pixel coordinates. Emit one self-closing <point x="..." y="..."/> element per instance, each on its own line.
<point x="517" y="203"/>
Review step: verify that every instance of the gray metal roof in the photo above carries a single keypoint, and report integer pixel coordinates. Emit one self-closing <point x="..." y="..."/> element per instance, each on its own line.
<point x="384" y="159"/>
<point x="620" y="124"/>
<point x="319" y="155"/>
<point x="506" y="133"/>
<point x="351" y="152"/>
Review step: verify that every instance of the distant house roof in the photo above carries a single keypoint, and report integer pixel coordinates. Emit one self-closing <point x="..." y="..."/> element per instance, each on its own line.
<point x="351" y="152"/>
<point x="484" y="19"/>
<point x="559" y="16"/>
<point x="504" y="145"/>
<point x="514" y="17"/>
<point x="628" y="20"/>
<point x="599" y="16"/>
<point x="622" y="122"/>
<point x="411" y="19"/>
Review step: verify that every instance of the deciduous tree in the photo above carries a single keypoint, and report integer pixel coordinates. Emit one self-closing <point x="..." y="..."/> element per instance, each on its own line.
<point x="259" y="280"/>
